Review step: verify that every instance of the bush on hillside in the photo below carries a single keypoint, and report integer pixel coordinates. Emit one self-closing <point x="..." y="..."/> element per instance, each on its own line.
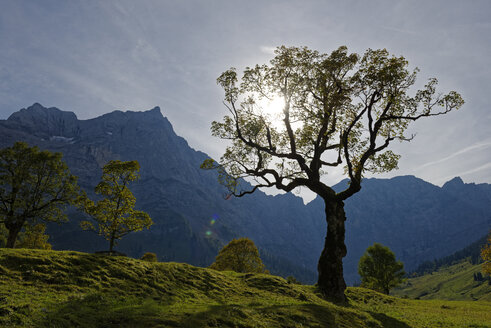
<point x="149" y="257"/>
<point x="240" y="255"/>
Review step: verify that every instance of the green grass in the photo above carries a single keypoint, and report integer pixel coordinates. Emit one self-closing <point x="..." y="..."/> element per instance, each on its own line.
<point x="71" y="289"/>
<point x="455" y="282"/>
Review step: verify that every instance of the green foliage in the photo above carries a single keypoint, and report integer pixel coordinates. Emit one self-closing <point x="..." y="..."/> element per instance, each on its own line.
<point x="486" y="256"/>
<point x="34" y="237"/>
<point x="31" y="237"/>
<point x="239" y="255"/>
<point x="338" y="109"/>
<point x="115" y="215"/>
<point x="149" y="257"/>
<point x="34" y="185"/>
<point x="348" y="107"/>
<point x="71" y="289"/>
<point x="379" y="269"/>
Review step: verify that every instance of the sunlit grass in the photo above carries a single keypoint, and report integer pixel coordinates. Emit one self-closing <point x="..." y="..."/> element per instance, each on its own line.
<point x="455" y="282"/>
<point x="70" y="289"/>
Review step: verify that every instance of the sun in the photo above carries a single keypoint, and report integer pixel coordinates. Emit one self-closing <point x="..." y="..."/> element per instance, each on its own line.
<point x="272" y="106"/>
<point x="272" y="109"/>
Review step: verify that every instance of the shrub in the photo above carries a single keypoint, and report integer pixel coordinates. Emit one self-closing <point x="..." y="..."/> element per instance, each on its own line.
<point x="149" y="257"/>
<point x="292" y="280"/>
<point x="240" y="255"/>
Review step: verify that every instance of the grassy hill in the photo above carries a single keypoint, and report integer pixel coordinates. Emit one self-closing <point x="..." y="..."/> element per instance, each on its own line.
<point x="455" y="282"/>
<point x="71" y="289"/>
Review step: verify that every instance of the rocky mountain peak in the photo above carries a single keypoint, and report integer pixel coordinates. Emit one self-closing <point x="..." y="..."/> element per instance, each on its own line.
<point x="454" y="183"/>
<point x="45" y="122"/>
<point x="155" y="110"/>
<point x="152" y="117"/>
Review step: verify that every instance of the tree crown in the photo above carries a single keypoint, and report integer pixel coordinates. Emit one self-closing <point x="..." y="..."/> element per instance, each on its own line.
<point x="34" y="185"/>
<point x="379" y="269"/>
<point x="339" y="108"/>
<point x="115" y="214"/>
<point x="239" y="255"/>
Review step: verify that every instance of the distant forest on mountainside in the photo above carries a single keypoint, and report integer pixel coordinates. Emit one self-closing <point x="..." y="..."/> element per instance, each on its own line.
<point x="472" y="253"/>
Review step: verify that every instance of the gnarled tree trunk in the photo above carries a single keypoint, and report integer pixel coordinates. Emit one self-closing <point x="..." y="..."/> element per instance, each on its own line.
<point x="330" y="267"/>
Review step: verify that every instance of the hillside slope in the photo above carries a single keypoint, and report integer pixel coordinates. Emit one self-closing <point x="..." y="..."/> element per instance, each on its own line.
<point x="471" y="253"/>
<point x="455" y="282"/>
<point x="71" y="289"/>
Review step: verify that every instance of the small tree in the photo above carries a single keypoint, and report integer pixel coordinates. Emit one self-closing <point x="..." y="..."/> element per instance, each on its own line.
<point x="486" y="257"/>
<point x="34" y="185"/>
<point x="240" y="255"/>
<point x="379" y="269"/>
<point x="30" y="237"/>
<point x="34" y="237"/>
<point x="115" y="215"/>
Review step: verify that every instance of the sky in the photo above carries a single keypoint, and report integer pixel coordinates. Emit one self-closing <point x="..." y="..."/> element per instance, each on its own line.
<point x="94" y="57"/>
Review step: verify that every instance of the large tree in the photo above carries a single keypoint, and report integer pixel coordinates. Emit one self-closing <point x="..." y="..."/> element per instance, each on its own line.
<point x="338" y="109"/>
<point x="114" y="214"/>
<point x="34" y="185"/>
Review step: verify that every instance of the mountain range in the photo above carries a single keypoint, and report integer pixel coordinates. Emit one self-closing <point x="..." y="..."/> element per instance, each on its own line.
<point x="193" y="220"/>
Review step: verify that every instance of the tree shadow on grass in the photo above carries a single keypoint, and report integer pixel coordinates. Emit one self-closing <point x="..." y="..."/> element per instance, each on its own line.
<point x="299" y="315"/>
<point x="308" y="315"/>
<point x="389" y="322"/>
<point x="105" y="310"/>
<point x="98" y="310"/>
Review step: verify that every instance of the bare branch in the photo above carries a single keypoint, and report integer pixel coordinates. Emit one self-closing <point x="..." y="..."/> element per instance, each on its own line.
<point x="414" y="118"/>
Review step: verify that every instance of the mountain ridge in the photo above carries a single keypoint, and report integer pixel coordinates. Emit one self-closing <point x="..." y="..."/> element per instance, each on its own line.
<point x="182" y="199"/>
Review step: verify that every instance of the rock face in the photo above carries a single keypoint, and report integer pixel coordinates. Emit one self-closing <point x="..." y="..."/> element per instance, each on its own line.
<point x="192" y="220"/>
<point x="46" y="122"/>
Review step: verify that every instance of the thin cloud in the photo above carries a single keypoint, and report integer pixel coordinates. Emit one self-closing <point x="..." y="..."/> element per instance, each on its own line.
<point x="462" y="174"/>
<point x="121" y="55"/>
<point x="398" y="30"/>
<point x="478" y="146"/>
<point x="268" y="50"/>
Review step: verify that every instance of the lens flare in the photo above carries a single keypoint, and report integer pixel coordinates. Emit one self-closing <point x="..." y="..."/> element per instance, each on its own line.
<point x="208" y="233"/>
